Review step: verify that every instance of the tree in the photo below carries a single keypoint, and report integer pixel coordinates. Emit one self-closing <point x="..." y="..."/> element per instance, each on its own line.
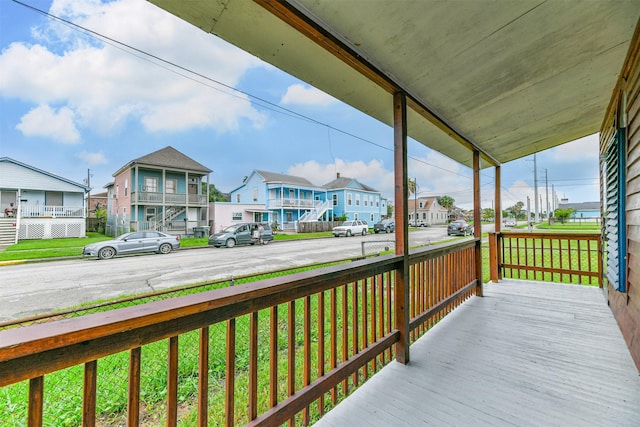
<point x="411" y="186"/>
<point x="487" y="214"/>
<point x="389" y="210"/>
<point x="516" y="210"/>
<point x="563" y="214"/>
<point x="446" y="202"/>
<point x="215" y="195"/>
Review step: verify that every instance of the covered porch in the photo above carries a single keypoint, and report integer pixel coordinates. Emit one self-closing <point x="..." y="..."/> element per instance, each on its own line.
<point x="528" y="353"/>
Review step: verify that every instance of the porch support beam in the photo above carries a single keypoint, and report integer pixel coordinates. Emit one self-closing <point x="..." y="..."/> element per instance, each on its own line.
<point x="497" y="213"/>
<point x="401" y="296"/>
<point x="477" y="224"/>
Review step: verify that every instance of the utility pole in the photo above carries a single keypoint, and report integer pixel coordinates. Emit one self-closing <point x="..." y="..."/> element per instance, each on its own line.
<point x="415" y="200"/>
<point x="535" y="186"/>
<point x="528" y="214"/>
<point x="89" y="193"/>
<point x="546" y="184"/>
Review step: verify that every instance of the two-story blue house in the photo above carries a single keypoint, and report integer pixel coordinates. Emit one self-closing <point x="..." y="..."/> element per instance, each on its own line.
<point x="282" y="199"/>
<point x="159" y="191"/>
<point x="352" y="199"/>
<point x="286" y="200"/>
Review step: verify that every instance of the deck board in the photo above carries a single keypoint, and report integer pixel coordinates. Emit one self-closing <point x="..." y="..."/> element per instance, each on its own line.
<point x="527" y="354"/>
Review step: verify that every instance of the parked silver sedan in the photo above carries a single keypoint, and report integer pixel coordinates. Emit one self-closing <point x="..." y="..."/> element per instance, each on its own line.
<point x="130" y="243"/>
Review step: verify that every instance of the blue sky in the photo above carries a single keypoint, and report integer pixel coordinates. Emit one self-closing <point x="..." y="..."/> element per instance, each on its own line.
<point x="71" y="102"/>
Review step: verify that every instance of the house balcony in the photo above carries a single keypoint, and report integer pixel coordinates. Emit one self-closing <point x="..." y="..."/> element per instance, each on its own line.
<point x="49" y="211"/>
<point x="155" y="198"/>
<point x="290" y="348"/>
<point x="286" y="203"/>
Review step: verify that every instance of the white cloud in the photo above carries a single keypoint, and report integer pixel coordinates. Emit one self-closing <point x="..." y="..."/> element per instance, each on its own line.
<point x="298" y="94"/>
<point x="578" y="150"/>
<point x="105" y="87"/>
<point x="372" y="173"/>
<point x="92" y="159"/>
<point x="43" y="121"/>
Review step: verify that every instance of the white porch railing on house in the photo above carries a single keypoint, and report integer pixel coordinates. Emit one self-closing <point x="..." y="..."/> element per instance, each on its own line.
<point x="169" y="198"/>
<point x="290" y="203"/>
<point x="45" y="211"/>
<point x="198" y="199"/>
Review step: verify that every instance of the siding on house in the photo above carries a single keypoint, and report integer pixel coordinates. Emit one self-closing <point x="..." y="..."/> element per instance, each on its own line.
<point x="159" y="191"/>
<point x="624" y="114"/>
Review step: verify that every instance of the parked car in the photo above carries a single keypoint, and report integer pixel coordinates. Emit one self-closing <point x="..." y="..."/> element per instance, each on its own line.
<point x="350" y="228"/>
<point x="241" y="234"/>
<point x="386" y="225"/>
<point x="419" y="223"/>
<point x="510" y="222"/>
<point x="459" y="228"/>
<point x="131" y="243"/>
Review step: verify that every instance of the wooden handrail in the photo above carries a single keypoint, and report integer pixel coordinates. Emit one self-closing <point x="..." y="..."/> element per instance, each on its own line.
<point x="546" y="256"/>
<point x="364" y="338"/>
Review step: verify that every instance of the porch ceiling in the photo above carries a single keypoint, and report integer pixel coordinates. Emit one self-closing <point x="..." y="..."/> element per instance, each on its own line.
<point x="509" y="78"/>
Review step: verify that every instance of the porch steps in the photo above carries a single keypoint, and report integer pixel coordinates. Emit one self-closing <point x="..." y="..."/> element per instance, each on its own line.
<point x="7" y="231"/>
<point x="317" y="212"/>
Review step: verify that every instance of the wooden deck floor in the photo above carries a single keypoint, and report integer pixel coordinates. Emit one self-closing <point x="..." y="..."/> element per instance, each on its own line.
<point x="527" y="354"/>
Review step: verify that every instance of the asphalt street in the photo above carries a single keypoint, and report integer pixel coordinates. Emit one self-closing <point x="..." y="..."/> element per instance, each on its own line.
<point x="35" y="288"/>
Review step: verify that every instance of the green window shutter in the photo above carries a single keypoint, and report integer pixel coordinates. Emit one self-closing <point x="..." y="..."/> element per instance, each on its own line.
<point x="615" y="211"/>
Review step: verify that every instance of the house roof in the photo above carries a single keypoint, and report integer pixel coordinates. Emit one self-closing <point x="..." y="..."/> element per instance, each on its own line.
<point x="584" y="206"/>
<point x="169" y="158"/>
<point x="271" y="177"/>
<point x="506" y="78"/>
<point x="11" y="180"/>
<point x="427" y="203"/>
<point x="341" y="183"/>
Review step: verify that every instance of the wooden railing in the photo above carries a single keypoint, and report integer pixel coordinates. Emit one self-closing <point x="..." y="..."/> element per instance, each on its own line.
<point x="292" y="346"/>
<point x="550" y="257"/>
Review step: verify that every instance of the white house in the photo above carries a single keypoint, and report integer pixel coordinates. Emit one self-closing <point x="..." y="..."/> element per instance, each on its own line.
<point x="35" y="204"/>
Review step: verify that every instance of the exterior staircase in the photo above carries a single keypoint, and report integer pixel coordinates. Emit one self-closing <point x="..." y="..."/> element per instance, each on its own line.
<point x="318" y="210"/>
<point x="8" y="231"/>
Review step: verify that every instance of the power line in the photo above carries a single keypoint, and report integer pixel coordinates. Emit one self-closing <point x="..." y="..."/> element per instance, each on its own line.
<point x="269" y="105"/>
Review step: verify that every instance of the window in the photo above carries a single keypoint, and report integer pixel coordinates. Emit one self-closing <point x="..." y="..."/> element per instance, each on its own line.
<point x="365" y="200"/>
<point x="335" y="199"/>
<point x="171" y="186"/>
<point x="349" y="199"/>
<point x="238" y="198"/>
<point x="371" y="217"/>
<point x="150" y="184"/>
<point x="357" y="200"/>
<point x="355" y="216"/>
<point x="126" y="187"/>
<point x="421" y="205"/>
<point x="614" y="201"/>
<point x="236" y="216"/>
<point x="255" y="194"/>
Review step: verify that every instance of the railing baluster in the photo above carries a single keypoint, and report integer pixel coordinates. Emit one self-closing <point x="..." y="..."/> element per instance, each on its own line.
<point x="334" y="340"/>
<point x="345" y="334"/>
<point x="354" y="327"/>
<point x="203" y="378"/>
<point x="89" y="394"/>
<point x="365" y="325"/>
<point x="230" y="375"/>
<point x="273" y="357"/>
<point x="306" y="375"/>
<point x="291" y="366"/>
<point x="390" y="313"/>
<point x="36" y="394"/>
<point x="133" y="406"/>
<point x="172" y="383"/>
<point x="321" y="362"/>
<point x="253" y="365"/>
